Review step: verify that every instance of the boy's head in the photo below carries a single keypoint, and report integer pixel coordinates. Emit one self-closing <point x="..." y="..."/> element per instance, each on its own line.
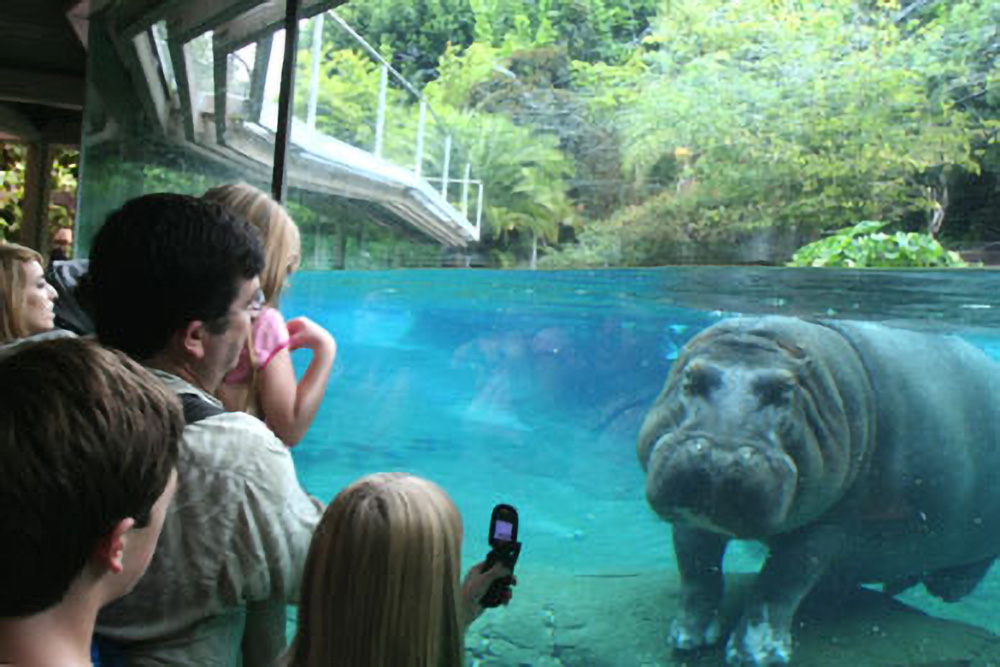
<point x="88" y="447"/>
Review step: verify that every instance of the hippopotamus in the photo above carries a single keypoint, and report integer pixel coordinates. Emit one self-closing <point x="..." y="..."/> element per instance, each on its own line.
<point x="855" y="452"/>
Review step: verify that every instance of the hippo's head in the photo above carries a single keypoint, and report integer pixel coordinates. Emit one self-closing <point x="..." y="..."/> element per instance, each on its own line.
<point x="737" y="441"/>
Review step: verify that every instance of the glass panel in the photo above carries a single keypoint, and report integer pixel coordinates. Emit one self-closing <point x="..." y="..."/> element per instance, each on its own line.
<point x="200" y="62"/>
<point x="640" y="133"/>
<point x="378" y="178"/>
<point x="240" y="65"/>
<point x="624" y="136"/>
<point x="129" y="149"/>
<point x="160" y="40"/>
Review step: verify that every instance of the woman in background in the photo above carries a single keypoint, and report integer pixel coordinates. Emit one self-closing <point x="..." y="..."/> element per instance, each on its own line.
<point x="26" y="298"/>
<point x="263" y="382"/>
<point x="381" y="583"/>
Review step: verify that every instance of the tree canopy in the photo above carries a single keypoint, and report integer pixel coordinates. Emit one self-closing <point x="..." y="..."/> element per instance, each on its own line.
<point x="634" y="132"/>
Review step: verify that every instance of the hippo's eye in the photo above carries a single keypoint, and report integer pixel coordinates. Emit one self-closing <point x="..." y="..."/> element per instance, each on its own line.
<point x="775" y="388"/>
<point x="701" y="380"/>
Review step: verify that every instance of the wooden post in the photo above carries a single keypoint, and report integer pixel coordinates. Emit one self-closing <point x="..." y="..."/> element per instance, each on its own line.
<point x="37" y="185"/>
<point x="340" y="239"/>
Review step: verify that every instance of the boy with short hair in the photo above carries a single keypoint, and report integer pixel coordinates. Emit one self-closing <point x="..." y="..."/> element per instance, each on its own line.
<point x="88" y="451"/>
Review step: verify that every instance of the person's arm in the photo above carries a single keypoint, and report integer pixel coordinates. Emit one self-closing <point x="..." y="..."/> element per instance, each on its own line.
<point x="476" y="584"/>
<point x="289" y="407"/>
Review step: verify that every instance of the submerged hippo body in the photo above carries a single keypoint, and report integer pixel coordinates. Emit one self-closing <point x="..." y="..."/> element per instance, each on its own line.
<point x="855" y="452"/>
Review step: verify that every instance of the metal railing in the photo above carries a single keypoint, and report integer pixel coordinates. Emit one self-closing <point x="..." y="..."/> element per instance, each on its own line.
<point x="378" y="145"/>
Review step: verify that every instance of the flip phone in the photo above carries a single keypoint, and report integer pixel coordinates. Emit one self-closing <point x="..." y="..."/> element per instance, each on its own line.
<point x="504" y="548"/>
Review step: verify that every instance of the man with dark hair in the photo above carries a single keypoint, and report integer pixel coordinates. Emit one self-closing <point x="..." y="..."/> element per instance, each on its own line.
<point x="88" y="450"/>
<point x="173" y="280"/>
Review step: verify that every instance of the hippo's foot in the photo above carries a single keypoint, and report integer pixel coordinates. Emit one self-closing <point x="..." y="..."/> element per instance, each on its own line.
<point x="955" y="583"/>
<point x="693" y="631"/>
<point x="756" y="644"/>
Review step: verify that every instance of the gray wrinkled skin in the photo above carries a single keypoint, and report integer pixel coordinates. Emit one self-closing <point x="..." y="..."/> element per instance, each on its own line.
<point x="856" y="452"/>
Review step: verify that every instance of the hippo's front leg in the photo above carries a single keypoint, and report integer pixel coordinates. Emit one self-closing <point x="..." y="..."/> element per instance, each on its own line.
<point x="797" y="561"/>
<point x="699" y="560"/>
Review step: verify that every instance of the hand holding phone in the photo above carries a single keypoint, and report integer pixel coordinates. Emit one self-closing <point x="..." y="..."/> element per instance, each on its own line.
<point x="504" y="548"/>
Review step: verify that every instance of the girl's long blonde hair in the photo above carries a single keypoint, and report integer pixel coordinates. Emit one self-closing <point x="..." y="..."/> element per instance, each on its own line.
<point x="381" y="585"/>
<point x="13" y="257"/>
<point x="280" y="235"/>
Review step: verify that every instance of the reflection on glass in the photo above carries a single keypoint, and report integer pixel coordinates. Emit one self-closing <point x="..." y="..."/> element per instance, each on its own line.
<point x="163" y="113"/>
<point x="366" y="136"/>
<point x="160" y="39"/>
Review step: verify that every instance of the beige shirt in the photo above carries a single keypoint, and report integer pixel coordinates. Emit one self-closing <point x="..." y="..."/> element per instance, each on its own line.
<point x="235" y="538"/>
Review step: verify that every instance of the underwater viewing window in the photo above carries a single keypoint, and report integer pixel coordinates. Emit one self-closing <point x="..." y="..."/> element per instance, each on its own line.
<point x="541" y="234"/>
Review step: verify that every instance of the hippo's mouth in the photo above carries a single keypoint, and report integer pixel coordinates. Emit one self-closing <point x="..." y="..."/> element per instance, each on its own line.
<point x="741" y="489"/>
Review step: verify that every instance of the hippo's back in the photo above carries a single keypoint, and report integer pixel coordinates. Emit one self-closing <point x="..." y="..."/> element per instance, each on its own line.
<point x="933" y="486"/>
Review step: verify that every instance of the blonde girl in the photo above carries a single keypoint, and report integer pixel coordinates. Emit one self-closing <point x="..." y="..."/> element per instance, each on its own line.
<point x="263" y="382"/>
<point x="381" y="583"/>
<point x="26" y="298"/>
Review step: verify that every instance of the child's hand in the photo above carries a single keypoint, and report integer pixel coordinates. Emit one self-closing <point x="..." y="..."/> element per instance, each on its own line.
<point x="304" y="333"/>
<point x="477" y="583"/>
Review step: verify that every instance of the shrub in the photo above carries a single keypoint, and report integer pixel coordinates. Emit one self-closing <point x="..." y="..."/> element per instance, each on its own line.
<point x="864" y="245"/>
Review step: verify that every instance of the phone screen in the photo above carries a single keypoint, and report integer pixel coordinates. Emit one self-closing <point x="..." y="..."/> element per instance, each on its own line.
<point x="503" y="530"/>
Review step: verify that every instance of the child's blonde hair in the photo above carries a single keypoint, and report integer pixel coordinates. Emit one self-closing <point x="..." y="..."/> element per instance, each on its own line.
<point x="13" y="257"/>
<point x="381" y="583"/>
<point x="280" y="235"/>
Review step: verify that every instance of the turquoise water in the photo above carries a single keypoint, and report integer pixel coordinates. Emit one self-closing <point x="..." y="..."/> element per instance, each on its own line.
<point x="530" y="387"/>
<point x="516" y="387"/>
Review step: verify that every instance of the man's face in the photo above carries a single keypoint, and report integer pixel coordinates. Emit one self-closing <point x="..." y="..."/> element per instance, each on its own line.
<point x="222" y="350"/>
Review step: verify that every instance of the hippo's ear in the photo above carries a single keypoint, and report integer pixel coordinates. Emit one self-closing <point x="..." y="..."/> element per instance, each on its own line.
<point x="700" y="379"/>
<point x="775" y="387"/>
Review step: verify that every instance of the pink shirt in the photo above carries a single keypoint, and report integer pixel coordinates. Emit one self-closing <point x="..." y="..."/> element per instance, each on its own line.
<point x="269" y="335"/>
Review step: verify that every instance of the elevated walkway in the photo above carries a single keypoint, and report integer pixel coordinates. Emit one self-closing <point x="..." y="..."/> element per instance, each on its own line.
<point x="206" y="75"/>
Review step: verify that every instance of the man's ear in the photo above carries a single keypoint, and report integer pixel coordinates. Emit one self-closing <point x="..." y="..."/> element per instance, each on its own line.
<point x="110" y="552"/>
<point x="193" y="338"/>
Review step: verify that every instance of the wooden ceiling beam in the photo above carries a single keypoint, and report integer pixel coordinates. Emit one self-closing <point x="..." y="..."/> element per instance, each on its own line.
<point x="263" y="20"/>
<point x="15" y="126"/>
<point x="34" y="87"/>
<point x="197" y="17"/>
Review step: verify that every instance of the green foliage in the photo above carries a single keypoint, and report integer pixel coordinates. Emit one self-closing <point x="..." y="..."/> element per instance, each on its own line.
<point x="795" y="117"/>
<point x="461" y="71"/>
<point x="65" y="170"/>
<point x="764" y="114"/>
<point x="864" y="245"/>
<point x="589" y="30"/>
<point x="667" y="132"/>
<point x="524" y="170"/>
<point x="12" y="159"/>
<point x="347" y="99"/>
<point x="418" y="31"/>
